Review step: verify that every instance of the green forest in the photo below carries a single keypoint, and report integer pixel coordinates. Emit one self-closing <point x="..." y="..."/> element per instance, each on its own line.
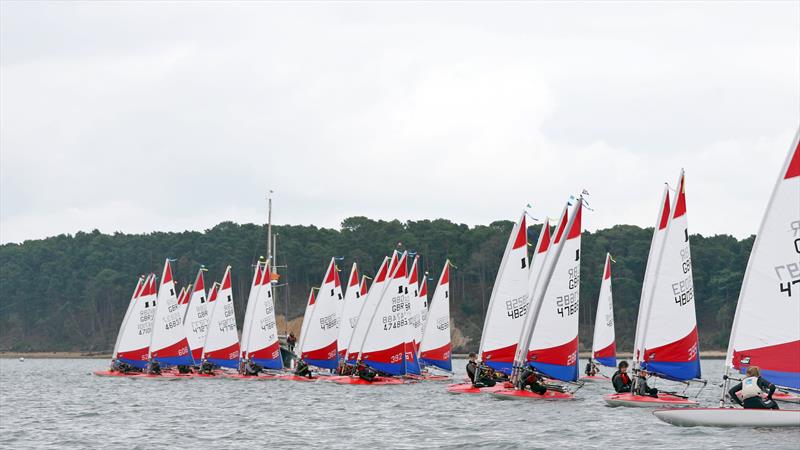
<point x="69" y="292"/>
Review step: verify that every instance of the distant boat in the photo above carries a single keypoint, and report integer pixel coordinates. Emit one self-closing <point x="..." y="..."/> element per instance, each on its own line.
<point x="263" y="347"/>
<point x="368" y="306"/>
<point x="436" y="347"/>
<point x="766" y="327"/>
<point x="255" y="286"/>
<point x="133" y="342"/>
<point x="168" y="344"/>
<point x="418" y="304"/>
<point x="351" y="307"/>
<point x="668" y="342"/>
<point x="318" y="343"/>
<point x="221" y="347"/>
<point x="604" y="347"/>
<point x="195" y="322"/>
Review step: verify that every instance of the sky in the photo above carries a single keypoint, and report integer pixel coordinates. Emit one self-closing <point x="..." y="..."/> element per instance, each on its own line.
<point x="148" y="116"/>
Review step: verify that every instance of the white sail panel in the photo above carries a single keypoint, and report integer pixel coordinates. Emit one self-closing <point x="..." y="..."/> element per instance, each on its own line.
<point x="168" y="342"/>
<point x="195" y="324"/>
<point x="604" y="348"/>
<point x="436" y="347"/>
<point x="222" y="341"/>
<point x="318" y="345"/>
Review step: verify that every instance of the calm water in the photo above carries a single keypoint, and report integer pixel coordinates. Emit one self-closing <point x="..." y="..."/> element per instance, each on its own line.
<point x="58" y="403"/>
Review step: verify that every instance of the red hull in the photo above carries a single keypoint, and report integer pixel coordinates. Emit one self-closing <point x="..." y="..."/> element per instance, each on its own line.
<point x="644" y="401"/>
<point x="295" y="378"/>
<point x="377" y="381"/>
<point x="468" y="388"/>
<point x="107" y="373"/>
<point x="786" y="397"/>
<point x="238" y="376"/>
<point x="517" y="394"/>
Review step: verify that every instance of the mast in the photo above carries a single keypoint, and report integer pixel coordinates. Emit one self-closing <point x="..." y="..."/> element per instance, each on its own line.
<point x="269" y="225"/>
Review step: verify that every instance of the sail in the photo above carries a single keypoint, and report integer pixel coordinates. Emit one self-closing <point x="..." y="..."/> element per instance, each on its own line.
<point x="766" y="329"/>
<point x="553" y="348"/>
<point x="423" y="299"/>
<point x="508" y="302"/>
<point x="312" y="299"/>
<point x="436" y="348"/>
<point x="168" y="344"/>
<point x="385" y="341"/>
<point x="195" y="324"/>
<point x="140" y="283"/>
<point x="412" y="322"/>
<point x="263" y="347"/>
<point x="670" y="332"/>
<point x="367" y="310"/>
<point x="318" y="344"/>
<point x="134" y="340"/>
<point x="222" y="341"/>
<point x="350" y="310"/>
<point x="417" y="304"/>
<point x="604" y="347"/>
<point x="183" y="301"/>
<point x="656" y="244"/>
<point x="255" y="286"/>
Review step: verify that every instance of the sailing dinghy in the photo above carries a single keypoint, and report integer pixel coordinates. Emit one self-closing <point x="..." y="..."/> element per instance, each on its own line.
<point x="353" y="299"/>
<point x="318" y="343"/>
<point x="221" y="347"/>
<point x="124" y="334"/>
<point x="604" y="347"/>
<point x="668" y="347"/>
<point x="168" y="344"/>
<point x="435" y="349"/>
<point x="766" y="327"/>
<point x="195" y="323"/>
<point x="549" y="339"/>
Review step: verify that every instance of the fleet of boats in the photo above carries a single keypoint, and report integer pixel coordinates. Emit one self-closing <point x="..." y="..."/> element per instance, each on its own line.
<point x="531" y="323"/>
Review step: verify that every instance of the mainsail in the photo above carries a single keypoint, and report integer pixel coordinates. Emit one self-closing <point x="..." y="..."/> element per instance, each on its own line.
<point x="604" y="347"/>
<point x="134" y="340"/>
<point x="508" y="302"/>
<point x="222" y="341"/>
<point x="436" y="348"/>
<point x="766" y="328"/>
<point x="195" y="324"/>
<point x="255" y="286"/>
<point x="140" y="284"/>
<point x="263" y="347"/>
<point x="367" y="310"/>
<point x="318" y="344"/>
<point x="168" y="344"/>
<point x="353" y="300"/>
<point x="670" y="332"/>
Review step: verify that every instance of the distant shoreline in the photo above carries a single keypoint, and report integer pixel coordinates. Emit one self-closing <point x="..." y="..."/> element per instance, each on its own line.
<point x="705" y="354"/>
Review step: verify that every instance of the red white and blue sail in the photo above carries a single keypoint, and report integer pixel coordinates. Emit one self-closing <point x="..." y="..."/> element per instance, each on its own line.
<point x="140" y="285"/>
<point x="670" y="332"/>
<point x="553" y="348"/>
<point x="195" y="324"/>
<point x="263" y="347"/>
<point x="656" y="244"/>
<point x="255" y="286"/>
<point x="508" y="302"/>
<point x="368" y="306"/>
<point x="351" y="308"/>
<point x="183" y="300"/>
<point x="318" y="344"/>
<point x="436" y="347"/>
<point x="604" y="347"/>
<point x="385" y="342"/>
<point x="418" y="303"/>
<point x="312" y="299"/>
<point x="222" y="341"/>
<point x="766" y="329"/>
<point x="134" y="340"/>
<point x="168" y="344"/>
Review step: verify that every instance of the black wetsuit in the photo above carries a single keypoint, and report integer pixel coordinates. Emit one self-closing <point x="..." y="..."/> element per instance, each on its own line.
<point x="643" y="389"/>
<point x="302" y="370"/>
<point x="252" y="369"/>
<point x="472" y="368"/>
<point x="366" y="373"/>
<point x="756" y="402"/>
<point x="184" y="369"/>
<point x="591" y="369"/>
<point x="531" y="380"/>
<point x="207" y="368"/>
<point x="621" y="382"/>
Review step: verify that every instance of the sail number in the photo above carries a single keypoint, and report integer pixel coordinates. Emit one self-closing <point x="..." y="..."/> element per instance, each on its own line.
<point x="683" y="291"/>
<point x="517" y="307"/>
<point x="567" y="305"/>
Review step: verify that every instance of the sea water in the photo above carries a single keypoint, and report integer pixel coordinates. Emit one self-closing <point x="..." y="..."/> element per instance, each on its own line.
<point x="58" y="403"/>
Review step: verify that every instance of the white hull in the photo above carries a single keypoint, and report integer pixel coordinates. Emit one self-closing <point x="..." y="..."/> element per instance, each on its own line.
<point x="729" y="417"/>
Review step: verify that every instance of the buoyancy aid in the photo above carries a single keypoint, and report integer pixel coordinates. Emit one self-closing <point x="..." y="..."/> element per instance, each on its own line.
<point x="750" y="388"/>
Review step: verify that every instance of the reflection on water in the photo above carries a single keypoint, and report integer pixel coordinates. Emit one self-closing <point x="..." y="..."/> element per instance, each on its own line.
<point x="59" y="403"/>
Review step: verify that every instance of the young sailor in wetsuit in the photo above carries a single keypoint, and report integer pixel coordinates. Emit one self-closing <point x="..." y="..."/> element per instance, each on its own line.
<point x="531" y="379"/>
<point x="620" y="380"/>
<point x="484" y="377"/>
<point x="206" y="367"/>
<point x="365" y="372"/>
<point x="154" y="368"/>
<point x="302" y="369"/>
<point x="184" y="369"/>
<point x="591" y="369"/>
<point x="641" y="385"/>
<point x="472" y="367"/>
<point x="252" y="369"/>
<point x="752" y="389"/>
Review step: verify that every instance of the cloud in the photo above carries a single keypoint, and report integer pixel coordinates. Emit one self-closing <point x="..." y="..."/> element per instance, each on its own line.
<point x="142" y="117"/>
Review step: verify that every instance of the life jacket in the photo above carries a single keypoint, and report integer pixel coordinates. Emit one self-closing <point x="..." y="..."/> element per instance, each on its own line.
<point x="626" y="380"/>
<point x="750" y="388"/>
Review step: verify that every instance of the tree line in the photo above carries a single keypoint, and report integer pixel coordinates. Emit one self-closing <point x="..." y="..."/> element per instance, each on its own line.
<point x="69" y="292"/>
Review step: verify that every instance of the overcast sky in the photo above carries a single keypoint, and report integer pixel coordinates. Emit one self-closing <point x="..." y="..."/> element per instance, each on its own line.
<point x="171" y="116"/>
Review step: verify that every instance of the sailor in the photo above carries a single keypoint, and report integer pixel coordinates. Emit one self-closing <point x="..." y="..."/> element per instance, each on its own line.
<point x="591" y="369"/>
<point x="484" y="377"/>
<point x="155" y="368"/>
<point x="290" y="341"/>
<point x="620" y="379"/>
<point x="302" y="369"/>
<point x="252" y="369"/>
<point x="207" y="368"/>
<point x="365" y="372"/>
<point x="184" y="369"/>
<point x="472" y="366"/>
<point x="529" y="378"/>
<point x="753" y="388"/>
<point x="641" y="385"/>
